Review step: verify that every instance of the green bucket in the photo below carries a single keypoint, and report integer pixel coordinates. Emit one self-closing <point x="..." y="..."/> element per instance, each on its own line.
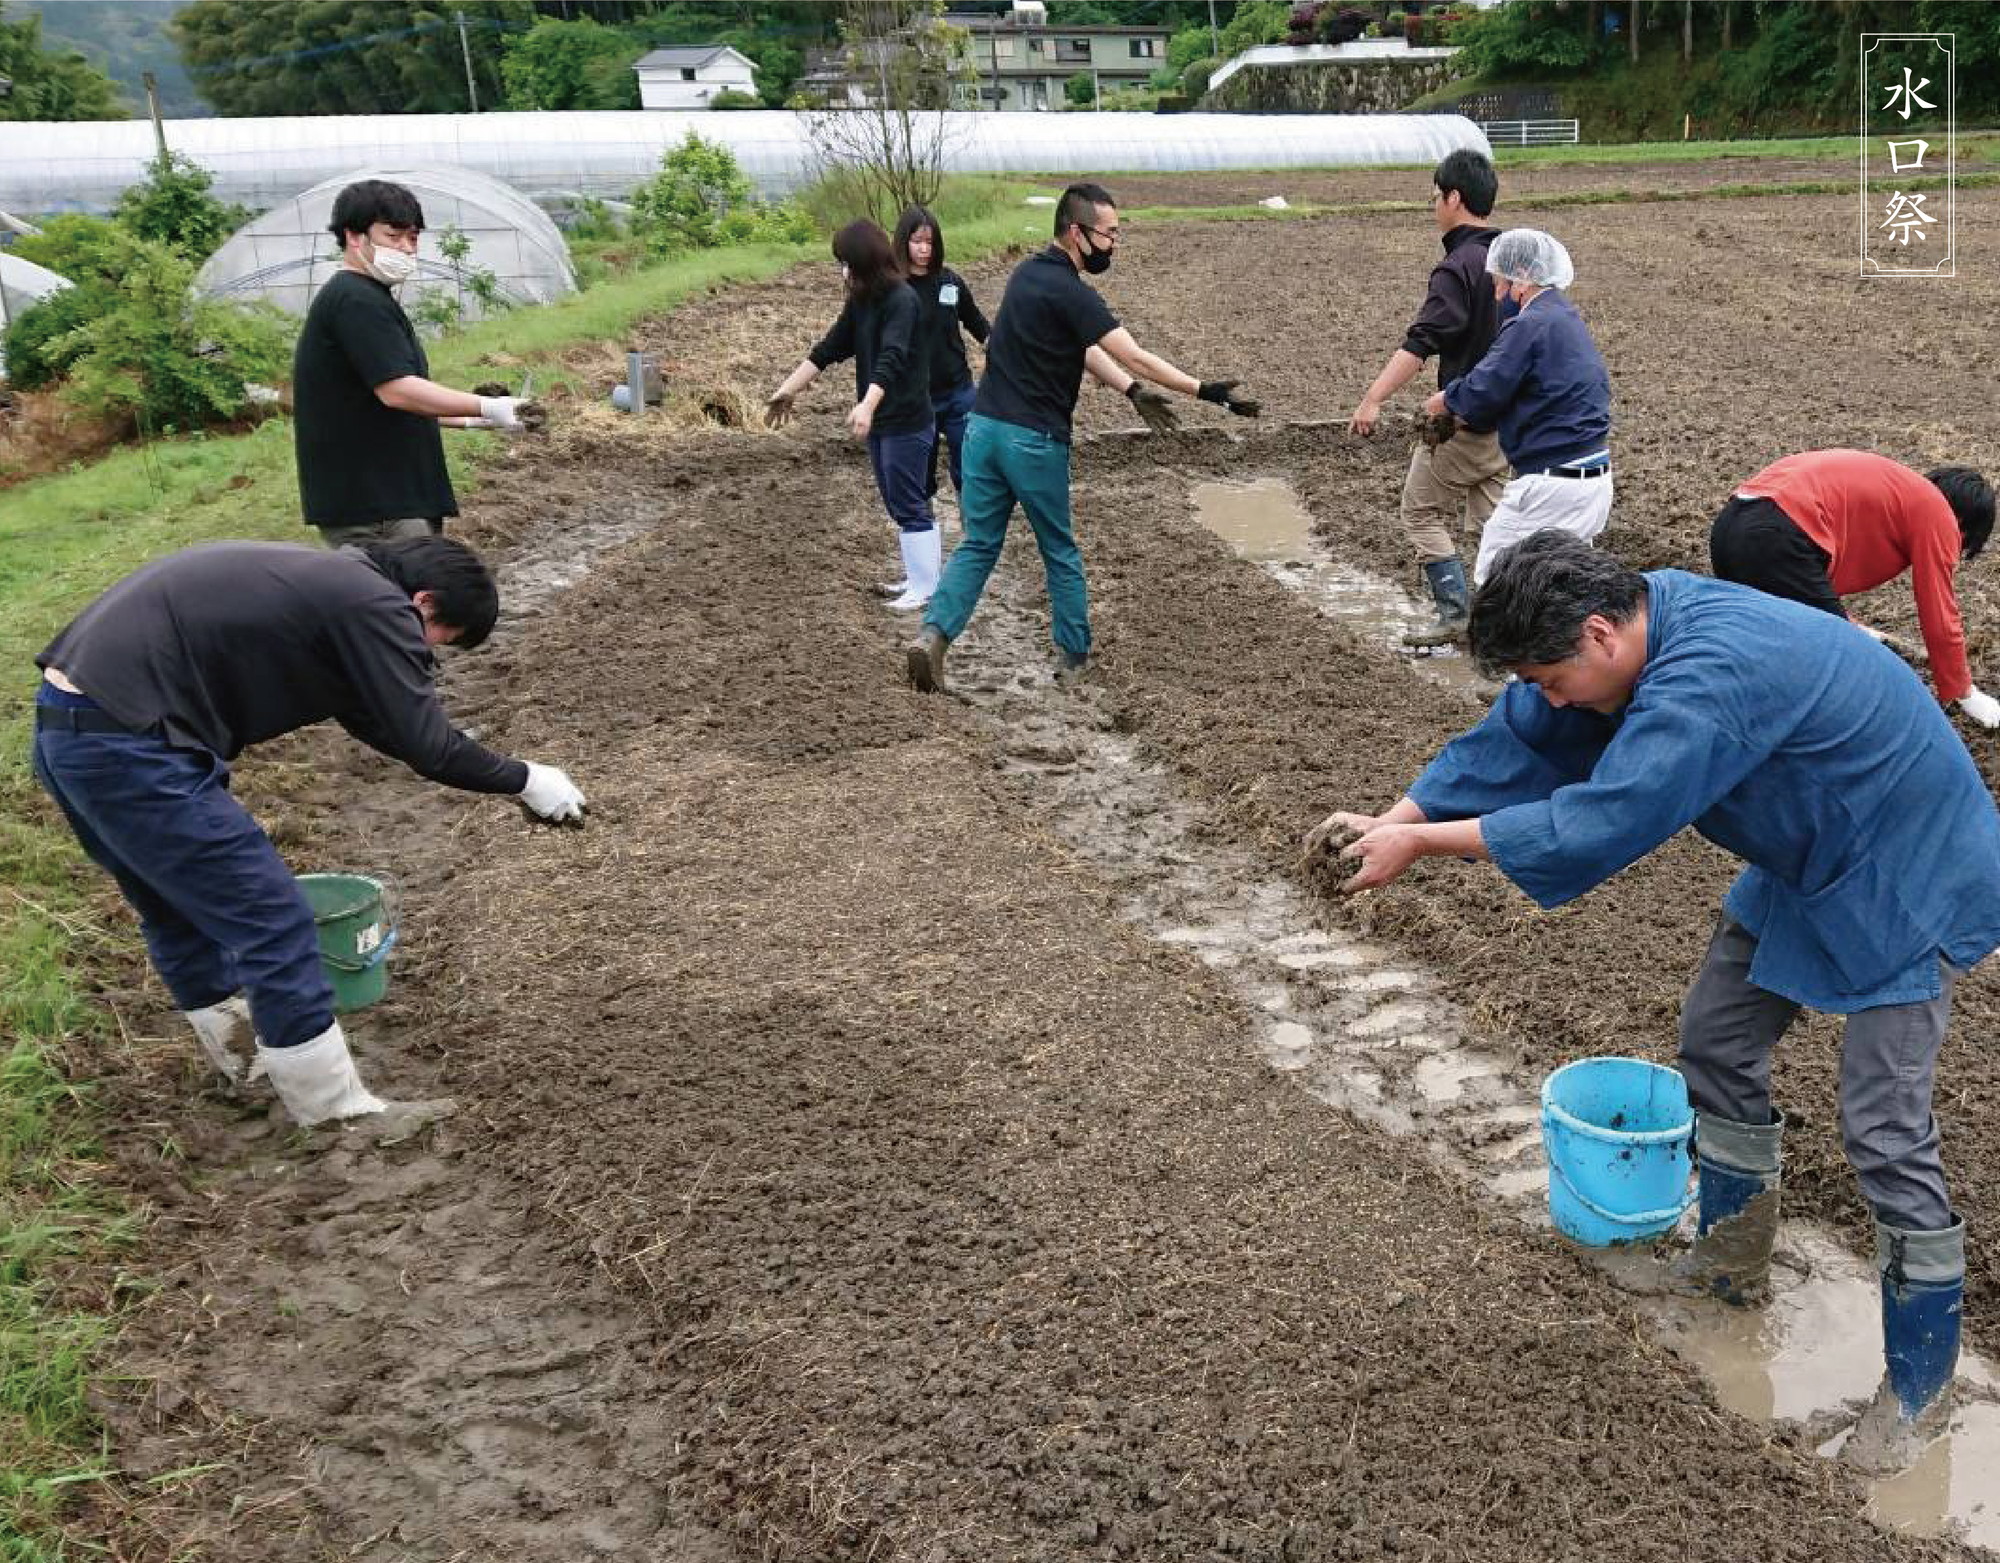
<point x="357" y="930"/>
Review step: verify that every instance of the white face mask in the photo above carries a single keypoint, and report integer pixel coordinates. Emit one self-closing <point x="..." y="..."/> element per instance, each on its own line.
<point x="390" y="267"/>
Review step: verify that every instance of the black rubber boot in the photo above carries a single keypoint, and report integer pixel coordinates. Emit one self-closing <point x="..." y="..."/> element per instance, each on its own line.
<point x="924" y="658"/>
<point x="1446" y="578"/>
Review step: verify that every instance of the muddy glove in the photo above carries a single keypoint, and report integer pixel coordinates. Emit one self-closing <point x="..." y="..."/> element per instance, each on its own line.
<point x="1981" y="707"/>
<point x="552" y="796"/>
<point x="1154" y="406"/>
<point x="778" y="410"/>
<point x="1224" y="393"/>
<point x="511" y="414"/>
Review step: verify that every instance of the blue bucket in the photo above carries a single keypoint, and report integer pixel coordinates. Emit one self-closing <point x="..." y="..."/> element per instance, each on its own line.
<point x="1617" y="1132"/>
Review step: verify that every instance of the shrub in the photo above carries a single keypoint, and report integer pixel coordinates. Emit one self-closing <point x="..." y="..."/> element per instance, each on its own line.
<point x="172" y="204"/>
<point x="1080" y="90"/>
<point x="1194" y="80"/>
<point x="95" y="254"/>
<point x="1342" y="25"/>
<point x="700" y="199"/>
<point x="167" y="359"/>
<point x="730" y="98"/>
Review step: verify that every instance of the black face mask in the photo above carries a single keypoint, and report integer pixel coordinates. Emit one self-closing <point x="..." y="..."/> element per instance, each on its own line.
<point x="1095" y="261"/>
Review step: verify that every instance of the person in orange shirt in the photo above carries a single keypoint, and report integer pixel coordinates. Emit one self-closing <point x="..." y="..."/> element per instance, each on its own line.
<point x="1822" y="525"/>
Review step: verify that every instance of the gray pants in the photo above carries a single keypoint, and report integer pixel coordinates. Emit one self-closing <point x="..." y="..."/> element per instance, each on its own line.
<point x="380" y="531"/>
<point x="1887" y="1057"/>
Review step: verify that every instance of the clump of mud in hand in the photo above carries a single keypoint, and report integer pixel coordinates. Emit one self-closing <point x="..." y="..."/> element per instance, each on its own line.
<point x="1435" y="429"/>
<point x="1320" y="863"/>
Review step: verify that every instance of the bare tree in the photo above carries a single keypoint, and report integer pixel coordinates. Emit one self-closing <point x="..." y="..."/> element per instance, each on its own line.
<point x="903" y="68"/>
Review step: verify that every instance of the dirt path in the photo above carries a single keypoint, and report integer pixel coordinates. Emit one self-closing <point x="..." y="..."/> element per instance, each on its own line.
<point x="842" y="1170"/>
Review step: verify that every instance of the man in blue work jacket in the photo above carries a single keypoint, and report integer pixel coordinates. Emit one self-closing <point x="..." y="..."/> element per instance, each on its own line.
<point x="1647" y="703"/>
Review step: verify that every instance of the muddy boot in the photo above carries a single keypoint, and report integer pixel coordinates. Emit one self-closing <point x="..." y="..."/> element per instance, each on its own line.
<point x="1923" y="1289"/>
<point x="1446" y="578"/>
<point x="1738" y="1168"/>
<point x="1071" y="666"/>
<point x="227" y="1038"/>
<point x="924" y="658"/>
<point x="316" y="1080"/>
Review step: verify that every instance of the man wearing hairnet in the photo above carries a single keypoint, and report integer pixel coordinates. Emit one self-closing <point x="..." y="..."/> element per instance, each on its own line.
<point x="1544" y="386"/>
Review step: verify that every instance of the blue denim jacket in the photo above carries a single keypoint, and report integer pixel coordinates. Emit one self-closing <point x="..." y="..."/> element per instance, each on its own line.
<point x="1785" y="736"/>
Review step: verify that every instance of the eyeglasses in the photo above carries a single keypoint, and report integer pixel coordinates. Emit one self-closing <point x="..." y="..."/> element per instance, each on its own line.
<point x="1108" y="235"/>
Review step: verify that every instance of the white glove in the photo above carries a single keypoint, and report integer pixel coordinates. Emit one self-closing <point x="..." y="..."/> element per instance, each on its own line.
<point x="551" y="795"/>
<point x="497" y="412"/>
<point x="1982" y="708"/>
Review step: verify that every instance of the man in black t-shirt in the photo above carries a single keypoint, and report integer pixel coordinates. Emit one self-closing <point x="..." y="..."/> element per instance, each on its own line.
<point x="365" y="414"/>
<point x="1017" y="442"/>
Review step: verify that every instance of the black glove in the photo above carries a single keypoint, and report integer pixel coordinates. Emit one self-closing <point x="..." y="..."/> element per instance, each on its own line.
<point x="1153" y="406"/>
<point x="1224" y="394"/>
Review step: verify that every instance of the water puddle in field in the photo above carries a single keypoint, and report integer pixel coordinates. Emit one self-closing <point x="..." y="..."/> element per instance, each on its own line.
<point x="1265" y="523"/>
<point x="1382" y="1039"/>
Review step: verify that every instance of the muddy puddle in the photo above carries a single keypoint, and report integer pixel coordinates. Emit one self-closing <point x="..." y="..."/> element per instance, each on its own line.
<point x="1381" y="1038"/>
<point x="1266" y="524"/>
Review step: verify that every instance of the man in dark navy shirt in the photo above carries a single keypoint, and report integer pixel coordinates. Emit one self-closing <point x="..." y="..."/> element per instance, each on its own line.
<point x="365" y="412"/>
<point x="1017" y="443"/>
<point x="154" y="688"/>
<point x="1544" y="384"/>
<point x="1464" y="475"/>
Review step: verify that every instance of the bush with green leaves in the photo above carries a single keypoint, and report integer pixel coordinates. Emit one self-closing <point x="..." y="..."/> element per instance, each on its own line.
<point x="166" y="359"/>
<point x="730" y="98"/>
<point x="95" y="254"/>
<point x="700" y="200"/>
<point x="173" y="205"/>
<point x="1528" y="37"/>
<point x="1081" y="90"/>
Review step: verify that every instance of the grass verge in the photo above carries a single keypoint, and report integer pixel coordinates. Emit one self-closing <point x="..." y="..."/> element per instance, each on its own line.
<point x="63" y="540"/>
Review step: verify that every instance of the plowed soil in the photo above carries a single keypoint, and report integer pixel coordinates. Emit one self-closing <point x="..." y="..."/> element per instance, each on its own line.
<point x="837" y="1174"/>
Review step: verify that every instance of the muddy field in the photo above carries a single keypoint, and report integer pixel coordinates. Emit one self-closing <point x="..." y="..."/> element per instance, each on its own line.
<point x="866" y="1147"/>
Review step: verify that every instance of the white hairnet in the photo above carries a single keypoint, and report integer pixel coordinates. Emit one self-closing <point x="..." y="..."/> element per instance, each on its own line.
<point x="1531" y="256"/>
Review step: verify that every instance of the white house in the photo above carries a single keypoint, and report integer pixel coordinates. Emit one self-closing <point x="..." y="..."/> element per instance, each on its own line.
<point x="690" y="77"/>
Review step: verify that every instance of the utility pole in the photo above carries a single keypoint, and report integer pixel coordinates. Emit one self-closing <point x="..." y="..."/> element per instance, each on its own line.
<point x="153" y="107"/>
<point x="465" y="49"/>
<point x="1214" y="39"/>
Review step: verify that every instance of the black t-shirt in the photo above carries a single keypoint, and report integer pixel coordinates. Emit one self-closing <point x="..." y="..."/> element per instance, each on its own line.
<point x="360" y="461"/>
<point x="946" y="304"/>
<point x="228" y="644"/>
<point x="1048" y="317"/>
<point x="881" y="336"/>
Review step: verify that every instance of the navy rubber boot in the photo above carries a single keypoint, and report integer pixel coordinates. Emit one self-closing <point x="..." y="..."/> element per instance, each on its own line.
<point x="1737" y="1211"/>
<point x="1446" y="579"/>
<point x="1923" y="1290"/>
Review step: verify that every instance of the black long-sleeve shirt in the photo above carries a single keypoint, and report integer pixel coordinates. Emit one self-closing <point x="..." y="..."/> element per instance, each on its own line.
<point x="946" y="304"/>
<point x="1459" y="318"/>
<point x="882" y="337"/>
<point x="223" y="646"/>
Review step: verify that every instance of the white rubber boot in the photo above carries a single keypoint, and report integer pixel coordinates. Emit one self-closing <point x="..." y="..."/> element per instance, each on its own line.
<point x="923" y="557"/>
<point x="317" y="1080"/>
<point x="227" y="1038"/>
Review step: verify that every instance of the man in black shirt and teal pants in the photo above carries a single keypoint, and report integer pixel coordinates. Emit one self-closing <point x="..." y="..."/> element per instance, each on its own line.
<point x="365" y="412"/>
<point x="1017" y="443"/>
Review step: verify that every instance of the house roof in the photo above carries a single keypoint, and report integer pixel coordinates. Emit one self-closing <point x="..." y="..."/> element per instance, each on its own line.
<point x="688" y="56"/>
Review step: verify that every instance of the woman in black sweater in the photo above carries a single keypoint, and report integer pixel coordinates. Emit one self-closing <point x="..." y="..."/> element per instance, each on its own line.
<point x="947" y="305"/>
<point x="879" y="329"/>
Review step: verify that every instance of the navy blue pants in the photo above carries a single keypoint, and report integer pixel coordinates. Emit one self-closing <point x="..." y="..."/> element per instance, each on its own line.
<point x="902" y="465"/>
<point x="219" y="909"/>
<point x="952" y="412"/>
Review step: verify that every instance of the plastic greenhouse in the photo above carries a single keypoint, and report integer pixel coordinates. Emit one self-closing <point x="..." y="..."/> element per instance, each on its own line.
<point x="261" y="162"/>
<point x="23" y="284"/>
<point x="286" y="254"/>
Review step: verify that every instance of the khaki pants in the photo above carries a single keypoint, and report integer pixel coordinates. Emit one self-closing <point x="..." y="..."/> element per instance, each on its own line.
<point x="380" y="531"/>
<point x="1461" y="477"/>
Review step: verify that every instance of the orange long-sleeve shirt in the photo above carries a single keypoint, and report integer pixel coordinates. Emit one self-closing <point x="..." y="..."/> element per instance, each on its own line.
<point x="1876" y="518"/>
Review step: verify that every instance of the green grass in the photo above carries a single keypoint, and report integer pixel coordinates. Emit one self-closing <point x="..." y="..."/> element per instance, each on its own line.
<point x="63" y="540"/>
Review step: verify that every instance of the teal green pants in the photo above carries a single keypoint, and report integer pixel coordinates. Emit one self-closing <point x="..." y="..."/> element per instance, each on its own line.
<point x="1006" y="465"/>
